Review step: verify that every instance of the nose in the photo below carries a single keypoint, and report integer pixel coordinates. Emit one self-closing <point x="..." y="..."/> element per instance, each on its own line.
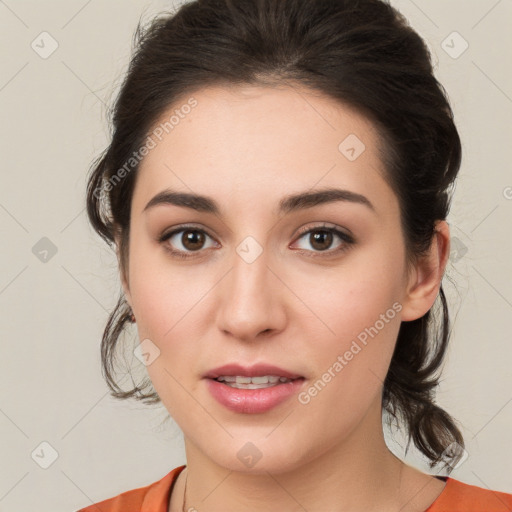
<point x="251" y="299"/>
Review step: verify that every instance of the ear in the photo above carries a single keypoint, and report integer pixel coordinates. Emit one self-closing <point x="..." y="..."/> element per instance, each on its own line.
<point x="425" y="279"/>
<point x="124" y="284"/>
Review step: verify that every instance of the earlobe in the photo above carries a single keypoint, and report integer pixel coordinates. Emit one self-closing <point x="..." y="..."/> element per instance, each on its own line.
<point x="425" y="280"/>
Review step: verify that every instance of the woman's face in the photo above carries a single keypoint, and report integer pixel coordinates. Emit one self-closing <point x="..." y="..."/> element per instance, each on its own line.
<point x="264" y="282"/>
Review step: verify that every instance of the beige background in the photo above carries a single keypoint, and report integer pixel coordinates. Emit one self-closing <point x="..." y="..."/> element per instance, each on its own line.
<point x="53" y="312"/>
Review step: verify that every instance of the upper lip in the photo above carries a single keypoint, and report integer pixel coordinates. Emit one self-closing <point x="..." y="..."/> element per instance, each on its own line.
<point x="256" y="370"/>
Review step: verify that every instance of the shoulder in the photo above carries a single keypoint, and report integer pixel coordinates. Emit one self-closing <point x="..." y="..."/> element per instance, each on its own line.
<point x="150" y="498"/>
<point x="458" y="496"/>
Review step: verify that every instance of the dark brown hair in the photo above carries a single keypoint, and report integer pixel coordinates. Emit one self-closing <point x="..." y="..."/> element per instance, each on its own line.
<point x="359" y="52"/>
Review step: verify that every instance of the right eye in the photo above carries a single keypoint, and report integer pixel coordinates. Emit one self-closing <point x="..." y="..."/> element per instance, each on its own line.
<point x="190" y="238"/>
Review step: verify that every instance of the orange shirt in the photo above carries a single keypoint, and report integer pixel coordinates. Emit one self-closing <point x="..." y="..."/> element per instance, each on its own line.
<point x="455" y="497"/>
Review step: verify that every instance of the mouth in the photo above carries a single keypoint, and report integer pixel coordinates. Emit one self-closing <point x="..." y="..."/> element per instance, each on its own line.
<point x="252" y="389"/>
<point x="264" y="381"/>
<point x="257" y="374"/>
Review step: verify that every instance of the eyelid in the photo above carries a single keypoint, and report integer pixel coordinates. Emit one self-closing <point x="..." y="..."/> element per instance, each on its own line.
<point x="328" y="226"/>
<point x="181" y="227"/>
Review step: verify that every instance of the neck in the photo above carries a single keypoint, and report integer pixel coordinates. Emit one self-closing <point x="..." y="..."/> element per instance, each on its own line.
<point x="359" y="473"/>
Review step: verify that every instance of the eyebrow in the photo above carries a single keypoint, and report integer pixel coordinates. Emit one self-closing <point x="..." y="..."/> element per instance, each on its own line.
<point x="288" y="204"/>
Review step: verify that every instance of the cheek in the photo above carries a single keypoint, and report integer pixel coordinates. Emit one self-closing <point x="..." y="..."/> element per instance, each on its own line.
<point x="352" y="361"/>
<point x="163" y="295"/>
<point x="170" y="313"/>
<point x="347" y="300"/>
<point x="355" y="326"/>
<point x="168" y="310"/>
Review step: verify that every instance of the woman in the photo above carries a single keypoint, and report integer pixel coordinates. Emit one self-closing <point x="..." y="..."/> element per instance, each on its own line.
<point x="277" y="188"/>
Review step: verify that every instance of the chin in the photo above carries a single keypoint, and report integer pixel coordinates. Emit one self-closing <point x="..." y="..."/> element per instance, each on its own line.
<point x="258" y="455"/>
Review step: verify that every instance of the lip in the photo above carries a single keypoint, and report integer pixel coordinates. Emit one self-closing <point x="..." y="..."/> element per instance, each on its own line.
<point x="253" y="401"/>
<point x="256" y="370"/>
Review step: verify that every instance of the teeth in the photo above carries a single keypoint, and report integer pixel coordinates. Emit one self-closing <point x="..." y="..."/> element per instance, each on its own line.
<point x="257" y="380"/>
<point x="241" y="379"/>
<point x="243" y="382"/>
<point x="250" y="386"/>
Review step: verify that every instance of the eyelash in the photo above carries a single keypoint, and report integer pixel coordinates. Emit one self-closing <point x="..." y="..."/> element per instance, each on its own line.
<point x="348" y="241"/>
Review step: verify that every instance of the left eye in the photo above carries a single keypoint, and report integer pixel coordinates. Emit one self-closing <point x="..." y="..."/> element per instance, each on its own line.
<point x="321" y="239"/>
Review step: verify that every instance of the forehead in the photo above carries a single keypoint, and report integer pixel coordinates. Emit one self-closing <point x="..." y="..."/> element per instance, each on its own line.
<point x="256" y="143"/>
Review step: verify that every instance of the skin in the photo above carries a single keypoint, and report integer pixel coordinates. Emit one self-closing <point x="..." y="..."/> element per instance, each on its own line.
<point x="247" y="147"/>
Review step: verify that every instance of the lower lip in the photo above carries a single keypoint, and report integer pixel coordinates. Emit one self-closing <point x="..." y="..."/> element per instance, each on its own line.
<point x="253" y="401"/>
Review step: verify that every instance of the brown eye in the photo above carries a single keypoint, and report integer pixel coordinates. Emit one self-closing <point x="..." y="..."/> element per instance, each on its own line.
<point x="192" y="239"/>
<point x="320" y="239"/>
<point x="183" y="242"/>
